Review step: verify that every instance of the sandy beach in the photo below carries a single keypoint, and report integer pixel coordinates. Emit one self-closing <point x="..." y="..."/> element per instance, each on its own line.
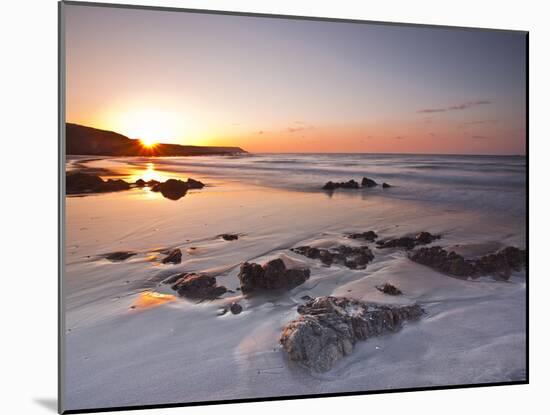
<point x="131" y="340"/>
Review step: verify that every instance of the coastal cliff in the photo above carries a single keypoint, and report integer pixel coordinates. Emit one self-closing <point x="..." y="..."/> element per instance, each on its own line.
<point x="82" y="140"/>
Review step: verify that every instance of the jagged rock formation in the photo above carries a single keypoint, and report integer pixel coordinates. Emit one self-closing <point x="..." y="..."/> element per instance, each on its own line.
<point x="329" y="327"/>
<point x="499" y="264"/>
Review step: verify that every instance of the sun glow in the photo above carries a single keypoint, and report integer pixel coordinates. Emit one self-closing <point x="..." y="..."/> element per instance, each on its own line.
<point x="149" y="143"/>
<point x="151" y="126"/>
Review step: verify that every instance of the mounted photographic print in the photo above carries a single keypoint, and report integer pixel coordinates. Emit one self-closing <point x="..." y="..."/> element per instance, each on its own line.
<point x="260" y="207"/>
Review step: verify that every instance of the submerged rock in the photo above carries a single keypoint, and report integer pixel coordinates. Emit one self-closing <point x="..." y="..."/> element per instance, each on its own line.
<point x="270" y="276"/>
<point x="229" y="237"/>
<point x="88" y="183"/>
<point x="119" y="256"/>
<point x="408" y="242"/>
<point x="499" y="264"/>
<point x="349" y="256"/>
<point x="200" y="287"/>
<point x="366" y="182"/>
<point x="386" y="186"/>
<point x="173" y="257"/>
<point x="368" y="235"/>
<point x="329" y="327"/>
<point x="350" y="184"/>
<point x="389" y="289"/>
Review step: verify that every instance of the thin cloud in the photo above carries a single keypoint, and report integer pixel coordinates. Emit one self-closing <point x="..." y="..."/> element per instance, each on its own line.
<point x="458" y="107"/>
<point x="399" y="137"/>
<point x="297" y="129"/>
<point x="480" y="137"/>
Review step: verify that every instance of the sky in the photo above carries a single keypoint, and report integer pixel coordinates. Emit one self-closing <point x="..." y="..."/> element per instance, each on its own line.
<point x="287" y="85"/>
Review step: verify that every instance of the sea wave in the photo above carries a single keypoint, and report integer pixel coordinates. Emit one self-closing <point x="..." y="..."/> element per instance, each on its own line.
<point x="474" y="182"/>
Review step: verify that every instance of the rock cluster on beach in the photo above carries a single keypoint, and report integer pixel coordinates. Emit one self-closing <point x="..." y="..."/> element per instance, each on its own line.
<point x="329" y="327"/>
<point x="196" y="286"/>
<point x="272" y="275"/>
<point x="352" y="184"/>
<point x="229" y="236"/>
<point x="408" y="242"/>
<point x="349" y="256"/>
<point x="499" y="264"/>
<point x="78" y="182"/>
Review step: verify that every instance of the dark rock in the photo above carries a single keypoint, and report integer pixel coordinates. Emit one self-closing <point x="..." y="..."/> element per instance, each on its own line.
<point x="115" y="185"/>
<point x="194" y="184"/>
<point x="386" y="186"/>
<point x="329" y="327"/>
<point x="424" y="238"/>
<point x="119" y="256"/>
<point x="172" y="279"/>
<point x="201" y="287"/>
<point x="330" y="186"/>
<point x="270" y="276"/>
<point x="221" y="311"/>
<point x="173" y="257"/>
<point x="306" y="298"/>
<point x="229" y="237"/>
<point x="405" y="242"/>
<point x="235" y="308"/>
<point x="140" y="183"/>
<point x="408" y="242"/>
<point x="350" y="184"/>
<point x="89" y="183"/>
<point x="174" y="189"/>
<point x="351" y="257"/>
<point x="443" y="261"/>
<point x="81" y="182"/>
<point x="502" y="263"/>
<point x="366" y="182"/>
<point x="389" y="289"/>
<point x="171" y="189"/>
<point x="249" y="276"/>
<point x="499" y="265"/>
<point x="368" y="235"/>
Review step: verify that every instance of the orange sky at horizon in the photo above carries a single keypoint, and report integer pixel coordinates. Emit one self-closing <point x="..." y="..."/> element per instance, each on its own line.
<point x="276" y="85"/>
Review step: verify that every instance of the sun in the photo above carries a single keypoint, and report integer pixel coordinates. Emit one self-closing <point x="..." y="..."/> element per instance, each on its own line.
<point x="148" y="143"/>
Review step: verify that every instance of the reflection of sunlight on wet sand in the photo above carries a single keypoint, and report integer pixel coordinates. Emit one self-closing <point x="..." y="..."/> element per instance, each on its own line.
<point x="149" y="173"/>
<point x="150" y="299"/>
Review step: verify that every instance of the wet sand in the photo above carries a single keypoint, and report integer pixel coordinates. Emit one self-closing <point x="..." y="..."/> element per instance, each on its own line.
<point x="130" y="341"/>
